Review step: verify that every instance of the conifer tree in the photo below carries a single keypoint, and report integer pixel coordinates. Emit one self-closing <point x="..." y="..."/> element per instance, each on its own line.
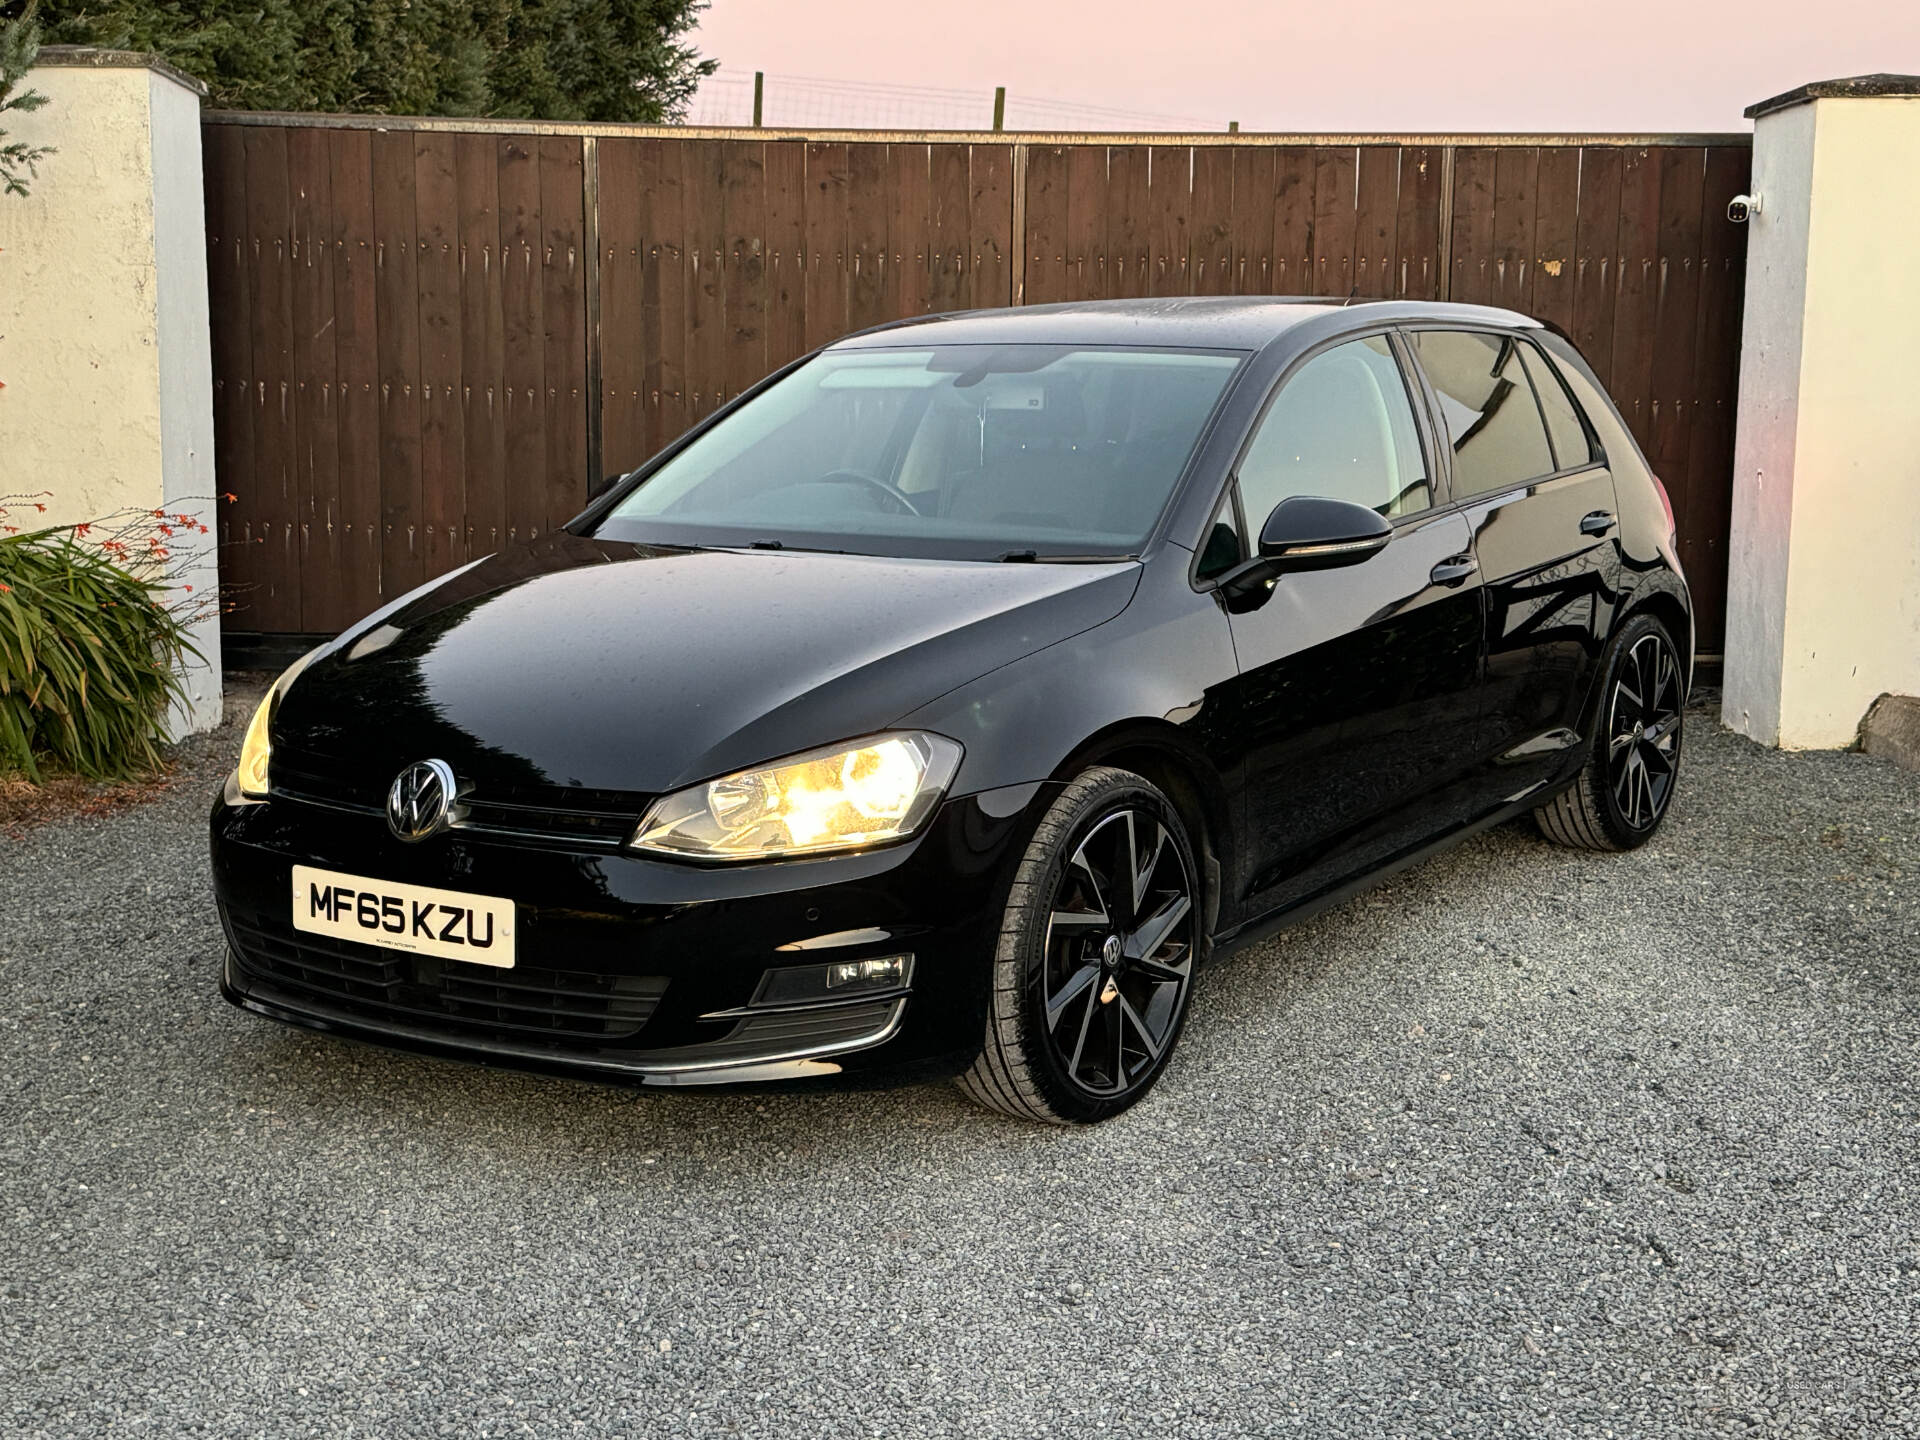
<point x="525" y="59"/>
<point x="19" y="42"/>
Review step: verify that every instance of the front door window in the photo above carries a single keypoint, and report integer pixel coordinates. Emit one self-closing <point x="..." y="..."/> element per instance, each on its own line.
<point x="1343" y="427"/>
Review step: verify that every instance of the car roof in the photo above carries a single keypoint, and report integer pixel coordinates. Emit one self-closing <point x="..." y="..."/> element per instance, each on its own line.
<point x="1224" y="322"/>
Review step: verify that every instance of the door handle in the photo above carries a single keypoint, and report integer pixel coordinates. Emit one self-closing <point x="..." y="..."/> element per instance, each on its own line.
<point x="1596" y="522"/>
<point x="1454" y="570"/>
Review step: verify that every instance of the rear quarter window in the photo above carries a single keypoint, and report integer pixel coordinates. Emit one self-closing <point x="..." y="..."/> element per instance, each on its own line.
<point x="1572" y="446"/>
<point x="1610" y="430"/>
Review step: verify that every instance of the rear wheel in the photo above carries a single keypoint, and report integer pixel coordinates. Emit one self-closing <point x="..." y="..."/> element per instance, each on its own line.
<point x="1093" y="970"/>
<point x="1623" y="792"/>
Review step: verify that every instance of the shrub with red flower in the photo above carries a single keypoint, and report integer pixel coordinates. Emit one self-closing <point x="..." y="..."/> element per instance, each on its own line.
<point x="95" y="625"/>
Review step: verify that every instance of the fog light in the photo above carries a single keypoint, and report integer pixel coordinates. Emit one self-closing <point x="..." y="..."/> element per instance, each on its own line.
<point x="798" y="984"/>
<point x="883" y="974"/>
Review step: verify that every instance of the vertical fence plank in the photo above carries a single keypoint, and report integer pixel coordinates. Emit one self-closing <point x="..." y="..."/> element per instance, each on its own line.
<point x="356" y="358"/>
<point x="1335" y="191"/>
<point x="991" y="168"/>
<point x="1210" y="222"/>
<point x="1086" y="222"/>
<point x="1128" y="232"/>
<point x="1293" y="221"/>
<point x="1048" y="215"/>
<point x="706" y="236"/>
<point x="867" y="213"/>
<point x="316" y="416"/>
<point x="396" y="294"/>
<point x="231" y="319"/>
<point x="1673" y="384"/>
<point x="950" y="201"/>
<point x="744" y="205"/>
<point x="483" y="357"/>
<point x="664" y="331"/>
<point x="907" y="227"/>
<point x="827" y="180"/>
<point x="1515" y="182"/>
<point x="276" y="600"/>
<point x="623" y="410"/>
<point x="1169" y="200"/>
<point x="1556" y="208"/>
<point x="1376" y="213"/>
<point x="1596" y="280"/>
<point x="1252" y="220"/>
<point x="1473" y="202"/>
<point x="443" y="431"/>
<point x="1638" y="255"/>
<point x="523" y="333"/>
<point x="786" y="247"/>
<point x="1417" y="225"/>
<point x="564" y="308"/>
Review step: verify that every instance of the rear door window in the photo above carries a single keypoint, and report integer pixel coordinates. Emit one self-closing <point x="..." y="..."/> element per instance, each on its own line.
<point x="1487" y="408"/>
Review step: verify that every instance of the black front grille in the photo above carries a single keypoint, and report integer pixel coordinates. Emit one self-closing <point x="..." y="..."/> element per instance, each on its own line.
<point x="538" y="822"/>
<point x="316" y="783"/>
<point x="533" y="814"/>
<point x="518" y="1005"/>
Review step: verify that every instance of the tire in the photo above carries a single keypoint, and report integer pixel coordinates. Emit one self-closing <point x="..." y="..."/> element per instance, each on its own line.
<point x="1117" y="987"/>
<point x="1625" y="789"/>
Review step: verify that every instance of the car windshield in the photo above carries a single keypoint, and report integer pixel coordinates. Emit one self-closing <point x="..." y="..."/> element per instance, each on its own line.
<point x="957" y="451"/>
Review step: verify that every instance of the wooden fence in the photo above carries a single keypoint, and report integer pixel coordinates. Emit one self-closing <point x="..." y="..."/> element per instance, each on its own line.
<point x="431" y="336"/>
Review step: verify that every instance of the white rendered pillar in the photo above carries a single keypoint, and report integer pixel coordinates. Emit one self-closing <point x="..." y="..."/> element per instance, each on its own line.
<point x="1823" y="604"/>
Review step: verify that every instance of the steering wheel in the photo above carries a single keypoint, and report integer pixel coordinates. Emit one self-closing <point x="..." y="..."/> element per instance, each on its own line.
<point x="898" y="498"/>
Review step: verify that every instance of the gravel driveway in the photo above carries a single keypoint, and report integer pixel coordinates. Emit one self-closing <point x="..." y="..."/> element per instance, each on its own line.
<point x="1525" y="1143"/>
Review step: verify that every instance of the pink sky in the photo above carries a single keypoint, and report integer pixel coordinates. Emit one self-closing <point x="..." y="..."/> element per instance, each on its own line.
<point x="1339" y="65"/>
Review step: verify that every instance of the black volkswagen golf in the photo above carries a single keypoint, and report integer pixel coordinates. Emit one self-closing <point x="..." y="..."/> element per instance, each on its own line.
<point x="939" y="705"/>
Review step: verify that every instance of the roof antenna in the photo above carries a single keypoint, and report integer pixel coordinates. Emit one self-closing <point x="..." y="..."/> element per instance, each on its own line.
<point x="1350" y="294"/>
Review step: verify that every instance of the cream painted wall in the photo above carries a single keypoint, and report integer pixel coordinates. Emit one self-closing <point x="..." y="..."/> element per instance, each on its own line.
<point x="103" y="317"/>
<point x="1824" y="602"/>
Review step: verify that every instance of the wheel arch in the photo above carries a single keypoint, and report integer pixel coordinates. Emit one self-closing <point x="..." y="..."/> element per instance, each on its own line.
<point x="1163" y="754"/>
<point x="1671" y="610"/>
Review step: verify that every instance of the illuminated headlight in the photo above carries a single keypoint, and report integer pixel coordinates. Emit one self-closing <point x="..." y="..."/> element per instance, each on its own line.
<point x="256" y="750"/>
<point x="845" y="797"/>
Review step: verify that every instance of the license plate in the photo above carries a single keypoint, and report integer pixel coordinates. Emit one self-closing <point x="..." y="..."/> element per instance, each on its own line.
<point x="415" y="918"/>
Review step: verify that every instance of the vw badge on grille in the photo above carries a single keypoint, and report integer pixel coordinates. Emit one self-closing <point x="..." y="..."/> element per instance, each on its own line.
<point x="421" y="797"/>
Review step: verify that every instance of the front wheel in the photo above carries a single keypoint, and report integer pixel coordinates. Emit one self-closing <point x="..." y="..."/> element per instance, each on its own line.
<point x="1623" y="791"/>
<point x="1094" y="965"/>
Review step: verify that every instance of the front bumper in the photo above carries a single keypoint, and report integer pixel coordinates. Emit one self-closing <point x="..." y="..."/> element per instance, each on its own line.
<point x="631" y="968"/>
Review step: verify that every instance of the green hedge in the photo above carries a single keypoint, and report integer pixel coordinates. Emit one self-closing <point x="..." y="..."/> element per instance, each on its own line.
<point x="88" y="653"/>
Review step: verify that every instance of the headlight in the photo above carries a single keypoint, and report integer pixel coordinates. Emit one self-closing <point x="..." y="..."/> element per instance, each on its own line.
<point x="257" y="749"/>
<point x="844" y="797"/>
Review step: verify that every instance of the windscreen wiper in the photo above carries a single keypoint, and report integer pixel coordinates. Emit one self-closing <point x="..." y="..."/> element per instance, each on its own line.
<point x="1032" y="557"/>
<point x="783" y="545"/>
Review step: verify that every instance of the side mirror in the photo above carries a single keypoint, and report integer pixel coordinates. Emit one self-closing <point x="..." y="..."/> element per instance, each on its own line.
<point x="1305" y="532"/>
<point x="1311" y="532"/>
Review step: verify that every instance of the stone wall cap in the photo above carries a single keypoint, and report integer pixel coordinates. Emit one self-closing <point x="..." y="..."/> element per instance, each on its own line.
<point x="1856" y="87"/>
<point x="87" y="57"/>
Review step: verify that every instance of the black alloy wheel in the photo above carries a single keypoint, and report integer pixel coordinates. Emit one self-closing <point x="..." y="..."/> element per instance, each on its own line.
<point x="1643" y="730"/>
<point x="1626" y="787"/>
<point x="1118" y="959"/>
<point x="1095" y="964"/>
